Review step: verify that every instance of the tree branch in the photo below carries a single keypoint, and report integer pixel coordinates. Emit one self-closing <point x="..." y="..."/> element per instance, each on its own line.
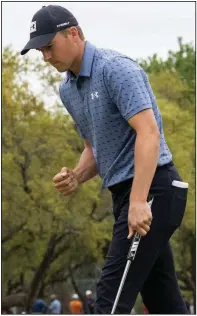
<point x="13" y="232"/>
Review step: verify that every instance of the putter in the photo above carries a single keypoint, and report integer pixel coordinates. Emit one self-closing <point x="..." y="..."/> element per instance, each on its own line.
<point x="130" y="258"/>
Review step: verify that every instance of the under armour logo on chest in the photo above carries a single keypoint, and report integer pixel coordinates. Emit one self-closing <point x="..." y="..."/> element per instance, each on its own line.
<point x="94" y="95"/>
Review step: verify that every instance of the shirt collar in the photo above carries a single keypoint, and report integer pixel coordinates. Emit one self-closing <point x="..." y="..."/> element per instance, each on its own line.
<point x="87" y="61"/>
<point x="88" y="57"/>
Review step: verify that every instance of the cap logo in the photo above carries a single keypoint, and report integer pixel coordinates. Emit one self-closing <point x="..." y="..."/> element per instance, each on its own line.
<point x="33" y="27"/>
<point x="63" y="24"/>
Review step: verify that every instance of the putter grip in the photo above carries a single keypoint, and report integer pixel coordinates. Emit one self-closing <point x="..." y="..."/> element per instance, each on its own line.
<point x="136" y="241"/>
<point x="134" y="246"/>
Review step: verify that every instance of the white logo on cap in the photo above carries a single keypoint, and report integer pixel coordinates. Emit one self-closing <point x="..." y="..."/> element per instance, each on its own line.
<point x="63" y="24"/>
<point x="33" y="27"/>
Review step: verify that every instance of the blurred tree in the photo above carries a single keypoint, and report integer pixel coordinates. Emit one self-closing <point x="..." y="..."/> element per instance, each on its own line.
<point x="181" y="62"/>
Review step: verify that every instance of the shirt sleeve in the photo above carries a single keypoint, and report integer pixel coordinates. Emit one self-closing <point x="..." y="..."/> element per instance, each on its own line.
<point x="127" y="86"/>
<point x="56" y="308"/>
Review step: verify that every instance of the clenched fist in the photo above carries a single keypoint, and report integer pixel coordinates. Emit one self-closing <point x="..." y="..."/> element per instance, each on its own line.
<point x="65" y="181"/>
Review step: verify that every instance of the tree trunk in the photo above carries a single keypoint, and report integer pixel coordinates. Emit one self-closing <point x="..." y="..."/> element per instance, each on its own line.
<point x="41" y="290"/>
<point x="40" y="271"/>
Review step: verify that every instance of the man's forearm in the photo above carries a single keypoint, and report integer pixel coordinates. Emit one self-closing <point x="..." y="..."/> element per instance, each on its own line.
<point x="86" y="167"/>
<point x="145" y="163"/>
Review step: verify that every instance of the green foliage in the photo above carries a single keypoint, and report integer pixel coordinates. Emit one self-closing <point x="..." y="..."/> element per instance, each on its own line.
<point x="181" y="61"/>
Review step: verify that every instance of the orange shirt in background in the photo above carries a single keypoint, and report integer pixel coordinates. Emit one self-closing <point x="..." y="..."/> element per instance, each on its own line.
<point x="76" y="307"/>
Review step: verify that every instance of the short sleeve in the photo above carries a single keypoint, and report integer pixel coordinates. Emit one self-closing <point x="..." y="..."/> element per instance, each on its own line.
<point x="128" y="86"/>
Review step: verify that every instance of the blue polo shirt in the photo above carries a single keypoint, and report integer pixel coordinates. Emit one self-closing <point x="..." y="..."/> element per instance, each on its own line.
<point x="110" y="89"/>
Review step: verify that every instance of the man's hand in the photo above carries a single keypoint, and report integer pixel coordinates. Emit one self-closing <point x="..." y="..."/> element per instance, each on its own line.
<point x="139" y="218"/>
<point x="65" y="181"/>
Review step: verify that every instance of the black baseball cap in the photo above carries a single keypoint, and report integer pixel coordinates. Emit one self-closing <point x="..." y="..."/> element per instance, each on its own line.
<point x="46" y="23"/>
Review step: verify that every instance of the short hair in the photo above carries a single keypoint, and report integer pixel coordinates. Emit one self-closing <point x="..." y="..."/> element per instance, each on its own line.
<point x="80" y="32"/>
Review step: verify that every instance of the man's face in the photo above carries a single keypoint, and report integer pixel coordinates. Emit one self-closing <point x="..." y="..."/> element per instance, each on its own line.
<point x="61" y="51"/>
<point x="52" y="298"/>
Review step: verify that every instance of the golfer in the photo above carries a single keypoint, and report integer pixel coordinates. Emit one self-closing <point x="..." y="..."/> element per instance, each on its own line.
<point x="111" y="101"/>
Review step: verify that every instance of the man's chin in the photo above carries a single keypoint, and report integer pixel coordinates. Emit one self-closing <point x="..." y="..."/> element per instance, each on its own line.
<point x="59" y="68"/>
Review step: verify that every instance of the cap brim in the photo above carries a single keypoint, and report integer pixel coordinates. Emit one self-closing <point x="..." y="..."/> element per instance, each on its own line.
<point x="38" y="42"/>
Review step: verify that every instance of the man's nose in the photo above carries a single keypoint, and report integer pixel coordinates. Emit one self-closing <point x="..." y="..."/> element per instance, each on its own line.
<point x="46" y="55"/>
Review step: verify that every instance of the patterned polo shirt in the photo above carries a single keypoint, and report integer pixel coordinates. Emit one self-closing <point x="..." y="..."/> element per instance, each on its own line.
<point x="110" y="89"/>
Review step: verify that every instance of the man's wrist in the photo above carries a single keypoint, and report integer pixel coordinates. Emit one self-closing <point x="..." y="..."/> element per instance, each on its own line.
<point x="77" y="175"/>
<point x="139" y="198"/>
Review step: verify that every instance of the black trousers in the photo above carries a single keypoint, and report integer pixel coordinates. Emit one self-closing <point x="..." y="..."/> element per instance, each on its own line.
<point x="152" y="273"/>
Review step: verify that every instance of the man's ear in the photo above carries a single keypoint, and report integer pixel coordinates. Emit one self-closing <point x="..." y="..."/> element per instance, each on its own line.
<point x="74" y="31"/>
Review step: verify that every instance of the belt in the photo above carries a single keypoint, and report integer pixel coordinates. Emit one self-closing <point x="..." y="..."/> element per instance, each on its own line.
<point x="115" y="188"/>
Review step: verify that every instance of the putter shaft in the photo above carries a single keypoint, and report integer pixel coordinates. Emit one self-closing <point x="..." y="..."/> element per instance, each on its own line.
<point x="121" y="286"/>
